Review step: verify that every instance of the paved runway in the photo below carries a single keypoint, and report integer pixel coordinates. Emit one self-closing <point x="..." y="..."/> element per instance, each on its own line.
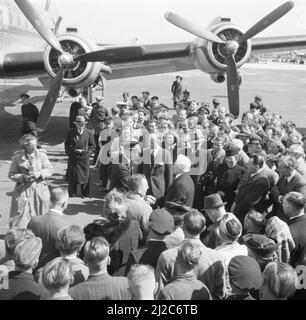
<point x="282" y="87"/>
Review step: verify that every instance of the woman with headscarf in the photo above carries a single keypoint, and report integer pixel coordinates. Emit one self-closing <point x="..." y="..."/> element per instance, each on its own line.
<point x="29" y="169"/>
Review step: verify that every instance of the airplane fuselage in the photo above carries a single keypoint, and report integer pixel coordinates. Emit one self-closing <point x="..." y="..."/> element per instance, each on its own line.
<point x="16" y="33"/>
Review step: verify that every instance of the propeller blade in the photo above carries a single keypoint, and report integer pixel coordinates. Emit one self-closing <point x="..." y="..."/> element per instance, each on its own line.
<point x="50" y="101"/>
<point x="39" y="24"/>
<point x="267" y="20"/>
<point x="191" y="27"/>
<point x="113" y="55"/>
<point x="233" y="86"/>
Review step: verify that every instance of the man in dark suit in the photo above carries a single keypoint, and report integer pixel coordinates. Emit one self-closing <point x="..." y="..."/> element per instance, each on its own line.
<point x="182" y="188"/>
<point x="229" y="175"/>
<point x="100" y="285"/>
<point x="125" y="165"/>
<point x="290" y="180"/>
<point x="294" y="206"/>
<point x="158" y="168"/>
<point x="78" y="145"/>
<point x="252" y="189"/>
<point x="146" y="100"/>
<point x="29" y="114"/>
<point x="47" y="226"/>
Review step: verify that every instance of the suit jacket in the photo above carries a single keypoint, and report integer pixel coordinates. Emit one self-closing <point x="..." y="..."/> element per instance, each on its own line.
<point x="160" y="173"/>
<point x="297" y="228"/>
<point x="211" y="269"/>
<point x="120" y="173"/>
<point x="252" y="192"/>
<point x="140" y="210"/>
<point x="147" y="256"/>
<point x="22" y="286"/>
<point x="297" y="184"/>
<point x="181" y="189"/>
<point x="101" y="287"/>
<point x="46" y="227"/>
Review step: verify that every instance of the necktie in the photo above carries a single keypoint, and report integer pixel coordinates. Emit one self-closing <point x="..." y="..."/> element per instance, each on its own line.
<point x="286" y="181"/>
<point x="152" y="159"/>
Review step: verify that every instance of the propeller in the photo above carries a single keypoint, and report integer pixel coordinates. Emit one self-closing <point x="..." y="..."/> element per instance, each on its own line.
<point x="191" y="27"/>
<point x="39" y="24"/>
<point x="67" y="59"/>
<point x="233" y="86"/>
<point x="50" y="100"/>
<point x="267" y="20"/>
<point x="230" y="46"/>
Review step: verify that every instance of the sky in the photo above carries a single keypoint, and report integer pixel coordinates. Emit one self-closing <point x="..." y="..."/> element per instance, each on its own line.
<point x="122" y="21"/>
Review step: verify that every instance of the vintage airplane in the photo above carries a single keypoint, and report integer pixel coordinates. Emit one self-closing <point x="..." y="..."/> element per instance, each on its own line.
<point x="76" y="62"/>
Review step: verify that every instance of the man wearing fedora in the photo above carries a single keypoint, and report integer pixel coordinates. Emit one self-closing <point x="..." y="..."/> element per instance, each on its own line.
<point x="78" y="145"/>
<point x="177" y="90"/>
<point x="215" y="209"/>
<point x="29" y="114"/>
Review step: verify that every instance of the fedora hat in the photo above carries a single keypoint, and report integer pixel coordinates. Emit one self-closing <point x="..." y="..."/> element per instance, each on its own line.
<point x="80" y="120"/>
<point x="213" y="201"/>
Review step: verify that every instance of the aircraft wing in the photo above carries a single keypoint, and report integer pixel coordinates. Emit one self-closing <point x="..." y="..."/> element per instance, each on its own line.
<point x="278" y="44"/>
<point x="157" y="59"/>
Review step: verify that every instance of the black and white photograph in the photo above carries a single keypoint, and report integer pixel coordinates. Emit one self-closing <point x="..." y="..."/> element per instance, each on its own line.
<point x="152" y="150"/>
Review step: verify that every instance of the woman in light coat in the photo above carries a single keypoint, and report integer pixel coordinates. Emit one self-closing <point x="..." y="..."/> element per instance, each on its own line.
<point x="29" y="169"/>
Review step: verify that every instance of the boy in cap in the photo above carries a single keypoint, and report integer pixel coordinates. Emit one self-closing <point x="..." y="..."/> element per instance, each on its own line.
<point x="244" y="277"/>
<point x="161" y="224"/>
<point x="230" y="230"/>
<point x="22" y="285"/>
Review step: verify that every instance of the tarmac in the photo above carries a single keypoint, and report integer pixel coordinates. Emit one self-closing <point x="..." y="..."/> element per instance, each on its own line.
<point x="282" y="87"/>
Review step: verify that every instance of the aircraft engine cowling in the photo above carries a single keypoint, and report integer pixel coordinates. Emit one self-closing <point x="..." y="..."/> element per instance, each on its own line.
<point x="211" y="57"/>
<point x="80" y="74"/>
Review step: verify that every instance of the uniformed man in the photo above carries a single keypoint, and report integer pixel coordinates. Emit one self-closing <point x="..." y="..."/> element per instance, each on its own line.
<point x="78" y="146"/>
<point x="29" y="169"/>
<point x="186" y="99"/>
<point x="177" y="90"/>
<point x="29" y="114"/>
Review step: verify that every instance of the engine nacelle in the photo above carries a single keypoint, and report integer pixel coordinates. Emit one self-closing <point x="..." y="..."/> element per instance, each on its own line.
<point x="217" y="77"/>
<point x="211" y="57"/>
<point x="81" y="74"/>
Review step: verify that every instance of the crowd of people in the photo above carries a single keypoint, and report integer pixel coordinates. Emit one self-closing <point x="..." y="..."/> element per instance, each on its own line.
<point x="196" y="205"/>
